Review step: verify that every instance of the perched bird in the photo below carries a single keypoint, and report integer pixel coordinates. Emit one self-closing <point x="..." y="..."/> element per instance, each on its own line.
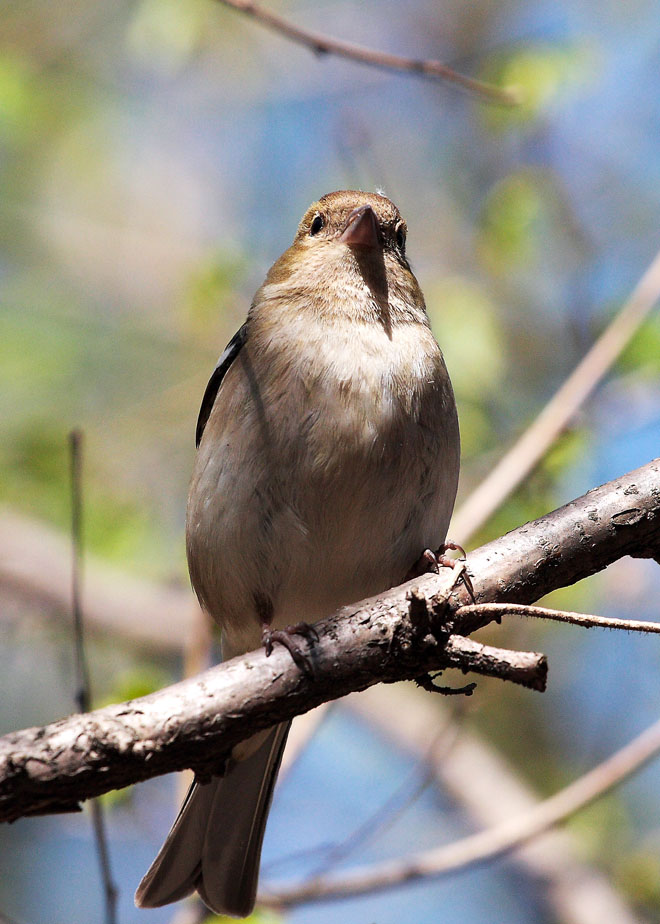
<point x="327" y="464"/>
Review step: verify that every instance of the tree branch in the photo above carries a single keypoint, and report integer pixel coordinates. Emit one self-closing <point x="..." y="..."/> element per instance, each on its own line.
<point x="196" y="722"/>
<point x="322" y="44"/>
<point x="399" y="635"/>
<point x="621" y="517"/>
<point x="584" y="620"/>
<point x="532" y="445"/>
<point x="485" y="845"/>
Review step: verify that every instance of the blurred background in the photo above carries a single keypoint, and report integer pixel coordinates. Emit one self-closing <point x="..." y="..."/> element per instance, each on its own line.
<point x="155" y="158"/>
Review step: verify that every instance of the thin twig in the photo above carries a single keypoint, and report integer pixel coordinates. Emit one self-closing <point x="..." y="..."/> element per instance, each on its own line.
<point x="82" y="695"/>
<point x="321" y="44"/>
<point x="83" y="691"/>
<point x="530" y="448"/>
<point x="490" y="792"/>
<point x="486" y="845"/>
<point x="584" y="620"/>
<point x="405" y="795"/>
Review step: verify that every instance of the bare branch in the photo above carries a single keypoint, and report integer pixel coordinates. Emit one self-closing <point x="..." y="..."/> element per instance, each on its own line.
<point x="84" y="692"/>
<point x="490" y="792"/>
<point x="530" y="448"/>
<point x="584" y="620"/>
<point x="36" y="564"/>
<point x="581" y="538"/>
<point x="196" y="722"/>
<point x="486" y="845"/>
<point x="402" y="634"/>
<point x="321" y="44"/>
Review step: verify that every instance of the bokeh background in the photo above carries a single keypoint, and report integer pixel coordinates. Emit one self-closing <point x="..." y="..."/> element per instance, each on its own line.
<point x="155" y="158"/>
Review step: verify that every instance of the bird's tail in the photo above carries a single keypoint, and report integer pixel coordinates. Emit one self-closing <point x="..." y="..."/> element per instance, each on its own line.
<point x="215" y="843"/>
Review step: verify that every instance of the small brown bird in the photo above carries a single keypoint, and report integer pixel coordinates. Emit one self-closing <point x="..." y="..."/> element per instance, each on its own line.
<point x="328" y="462"/>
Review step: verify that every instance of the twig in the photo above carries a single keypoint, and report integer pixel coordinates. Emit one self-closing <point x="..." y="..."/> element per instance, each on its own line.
<point x="490" y="792"/>
<point x="530" y="448"/>
<point x="486" y="845"/>
<point x="584" y="620"/>
<point x="82" y="695"/>
<point x="321" y="44"/>
<point x="405" y="795"/>
<point x="83" y="692"/>
<point x="36" y="564"/>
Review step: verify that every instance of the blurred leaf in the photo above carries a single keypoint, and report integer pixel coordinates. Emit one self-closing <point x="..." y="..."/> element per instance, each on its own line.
<point x="643" y="352"/>
<point x="209" y="291"/>
<point x="467" y="324"/>
<point x="16" y="96"/>
<point x="131" y="684"/>
<point x="565" y="452"/>
<point x="165" y="33"/>
<point x="510" y="221"/>
<point x="476" y="427"/>
<point x="259" y="916"/>
<point x="538" y="494"/>
<point x="638" y="875"/>
<point x="603" y="828"/>
<point x="468" y="327"/>
<point x="538" y="74"/>
<point x="34" y="475"/>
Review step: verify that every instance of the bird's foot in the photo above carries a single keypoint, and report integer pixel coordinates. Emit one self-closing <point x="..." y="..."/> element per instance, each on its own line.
<point x="430" y="562"/>
<point x="287" y="637"/>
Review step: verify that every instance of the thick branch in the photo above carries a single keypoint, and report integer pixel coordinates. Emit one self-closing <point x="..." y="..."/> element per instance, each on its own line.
<point x="196" y="722"/>
<point x="400" y="635"/>
<point x="619" y="518"/>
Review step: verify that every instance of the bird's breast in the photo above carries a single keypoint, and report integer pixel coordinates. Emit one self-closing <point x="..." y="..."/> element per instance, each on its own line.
<point x="326" y="469"/>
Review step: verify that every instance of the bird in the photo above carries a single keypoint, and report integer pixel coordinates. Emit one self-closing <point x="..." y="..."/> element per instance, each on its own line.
<point x="327" y="466"/>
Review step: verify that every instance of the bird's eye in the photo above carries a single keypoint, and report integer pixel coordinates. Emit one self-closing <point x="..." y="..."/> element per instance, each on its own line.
<point x="317" y="223"/>
<point x="401" y="238"/>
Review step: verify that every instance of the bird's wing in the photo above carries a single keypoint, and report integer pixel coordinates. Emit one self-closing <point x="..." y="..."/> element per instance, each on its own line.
<point x="230" y="353"/>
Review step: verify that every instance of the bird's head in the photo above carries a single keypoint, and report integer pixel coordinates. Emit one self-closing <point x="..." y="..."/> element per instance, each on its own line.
<point x="349" y="255"/>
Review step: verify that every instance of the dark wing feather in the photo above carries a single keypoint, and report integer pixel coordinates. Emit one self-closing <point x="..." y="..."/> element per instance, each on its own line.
<point x="230" y="353"/>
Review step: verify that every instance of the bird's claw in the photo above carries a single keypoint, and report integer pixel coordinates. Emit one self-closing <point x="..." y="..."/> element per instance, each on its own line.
<point x="430" y="562"/>
<point x="286" y="637"/>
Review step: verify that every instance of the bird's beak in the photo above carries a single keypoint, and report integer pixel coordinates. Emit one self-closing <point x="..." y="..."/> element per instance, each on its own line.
<point x="361" y="229"/>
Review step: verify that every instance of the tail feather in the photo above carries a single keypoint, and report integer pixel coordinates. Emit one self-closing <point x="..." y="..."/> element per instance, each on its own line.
<point x="215" y="843"/>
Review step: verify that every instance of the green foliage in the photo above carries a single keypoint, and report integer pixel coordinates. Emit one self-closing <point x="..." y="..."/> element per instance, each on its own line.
<point x="166" y="33"/>
<point x="209" y="291"/>
<point x="133" y="683"/>
<point x="602" y="828"/>
<point x="538" y="493"/>
<point x="538" y="74"/>
<point x="637" y="873"/>
<point x="467" y="324"/>
<point x="642" y="355"/>
<point x="511" y="221"/>
<point x="16" y="97"/>
<point x="34" y="470"/>
<point x="259" y="916"/>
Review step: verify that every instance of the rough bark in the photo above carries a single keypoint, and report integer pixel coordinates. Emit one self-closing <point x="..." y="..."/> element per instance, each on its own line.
<point x="399" y="635"/>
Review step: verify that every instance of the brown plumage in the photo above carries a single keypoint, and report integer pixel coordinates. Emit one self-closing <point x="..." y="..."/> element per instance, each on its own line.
<point x="328" y="461"/>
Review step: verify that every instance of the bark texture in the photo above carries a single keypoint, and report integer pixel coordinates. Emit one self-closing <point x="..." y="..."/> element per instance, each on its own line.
<point x="400" y="635"/>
